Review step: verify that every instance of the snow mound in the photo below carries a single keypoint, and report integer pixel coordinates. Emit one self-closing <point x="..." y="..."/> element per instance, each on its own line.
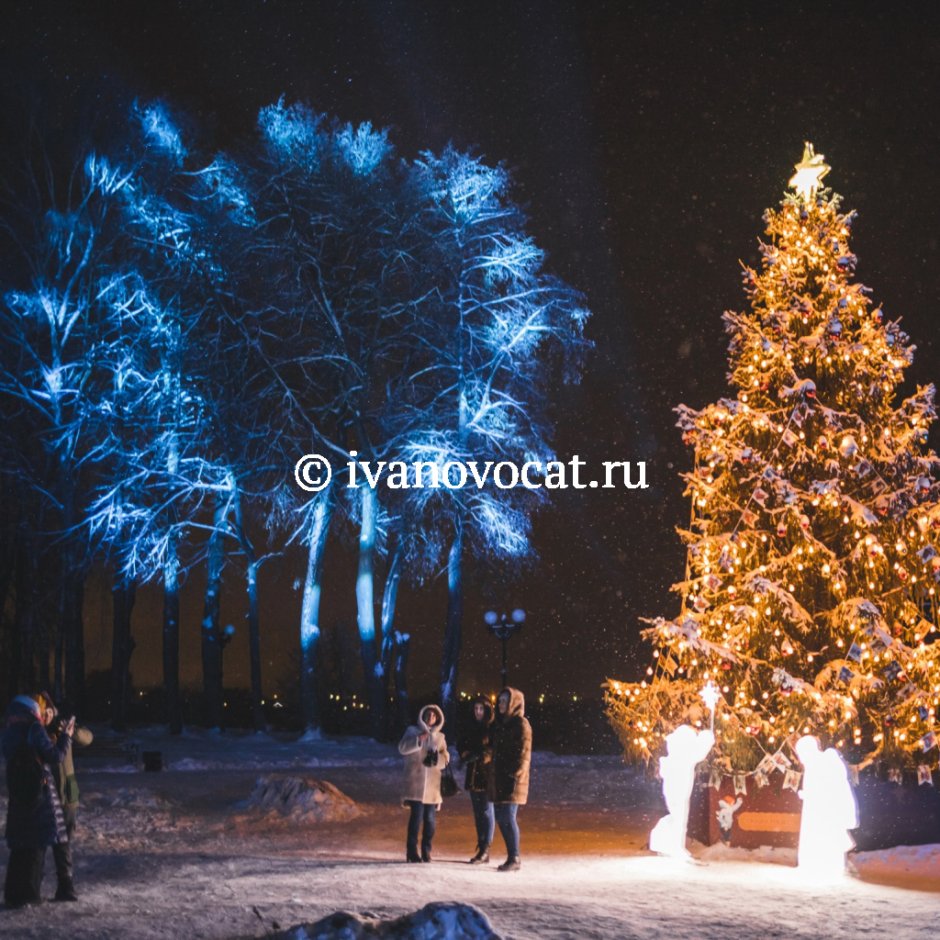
<point x="441" y="919"/>
<point x="299" y="799"/>
<point x="125" y="799"/>
<point x="719" y="852"/>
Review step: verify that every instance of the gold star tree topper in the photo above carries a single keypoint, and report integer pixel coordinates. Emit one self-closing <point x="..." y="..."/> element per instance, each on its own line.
<point x="809" y="172"/>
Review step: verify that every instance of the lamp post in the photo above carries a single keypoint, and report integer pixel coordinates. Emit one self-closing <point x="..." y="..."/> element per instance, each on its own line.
<point x="503" y="626"/>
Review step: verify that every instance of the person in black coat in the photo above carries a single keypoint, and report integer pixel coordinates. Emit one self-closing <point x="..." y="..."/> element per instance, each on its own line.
<point x="34" y="813"/>
<point x="476" y="751"/>
<point x="512" y="756"/>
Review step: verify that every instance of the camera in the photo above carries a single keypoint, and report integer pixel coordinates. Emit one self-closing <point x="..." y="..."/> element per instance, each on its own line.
<point x="60" y="721"/>
<point x="430" y="759"/>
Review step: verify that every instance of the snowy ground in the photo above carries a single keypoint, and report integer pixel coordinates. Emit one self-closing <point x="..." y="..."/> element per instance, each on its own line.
<point x="202" y="850"/>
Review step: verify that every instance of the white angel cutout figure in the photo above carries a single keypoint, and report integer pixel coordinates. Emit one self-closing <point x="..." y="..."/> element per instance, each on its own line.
<point x="829" y="811"/>
<point x="685" y="748"/>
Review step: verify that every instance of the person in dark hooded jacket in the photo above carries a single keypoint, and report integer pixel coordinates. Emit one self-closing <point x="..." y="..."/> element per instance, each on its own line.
<point x="512" y="755"/>
<point x="34" y="812"/>
<point x="476" y="751"/>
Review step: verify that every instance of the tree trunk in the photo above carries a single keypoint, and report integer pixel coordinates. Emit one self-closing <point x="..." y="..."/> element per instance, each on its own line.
<point x="123" y="595"/>
<point x="212" y="637"/>
<point x="42" y="661"/>
<point x="171" y="366"/>
<point x="365" y="607"/>
<point x="389" y="600"/>
<point x="73" y="596"/>
<point x="402" y="647"/>
<point x="58" y="680"/>
<point x="171" y="638"/>
<point x="310" y="612"/>
<point x="7" y="636"/>
<point x="24" y="623"/>
<point x="7" y="572"/>
<point x="254" y="646"/>
<point x="254" y="614"/>
<point x="75" y="640"/>
<point x="450" y="660"/>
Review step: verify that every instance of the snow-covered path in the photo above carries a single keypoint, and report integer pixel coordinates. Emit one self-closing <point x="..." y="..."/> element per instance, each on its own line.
<point x="173" y="855"/>
<point x="194" y="895"/>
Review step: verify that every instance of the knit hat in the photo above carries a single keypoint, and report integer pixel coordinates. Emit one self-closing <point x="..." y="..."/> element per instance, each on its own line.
<point x="30" y="703"/>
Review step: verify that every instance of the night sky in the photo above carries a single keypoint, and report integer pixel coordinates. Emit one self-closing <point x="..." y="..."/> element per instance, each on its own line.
<point x="645" y="142"/>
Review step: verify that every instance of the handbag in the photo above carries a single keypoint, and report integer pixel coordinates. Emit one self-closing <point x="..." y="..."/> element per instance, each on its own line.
<point x="449" y="785"/>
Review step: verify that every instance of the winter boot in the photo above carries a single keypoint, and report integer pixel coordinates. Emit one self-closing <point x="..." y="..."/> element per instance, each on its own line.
<point x="511" y="864"/>
<point x="66" y="892"/>
<point x="482" y="857"/>
<point x="62" y="853"/>
<point x="425" y="855"/>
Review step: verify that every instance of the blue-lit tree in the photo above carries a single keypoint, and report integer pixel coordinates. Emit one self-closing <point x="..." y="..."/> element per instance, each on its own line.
<point x="161" y="474"/>
<point x="200" y="322"/>
<point x="337" y="245"/>
<point x="496" y="331"/>
<point x="50" y="316"/>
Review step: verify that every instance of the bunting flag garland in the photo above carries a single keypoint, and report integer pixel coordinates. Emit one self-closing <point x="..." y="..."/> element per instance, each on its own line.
<point x="767" y="765"/>
<point x="782" y="762"/>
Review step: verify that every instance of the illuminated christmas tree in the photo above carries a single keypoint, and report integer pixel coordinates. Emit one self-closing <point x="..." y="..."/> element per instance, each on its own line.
<point x="809" y="598"/>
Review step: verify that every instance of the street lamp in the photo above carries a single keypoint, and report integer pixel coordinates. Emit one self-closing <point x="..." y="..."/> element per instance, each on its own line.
<point x="503" y="626"/>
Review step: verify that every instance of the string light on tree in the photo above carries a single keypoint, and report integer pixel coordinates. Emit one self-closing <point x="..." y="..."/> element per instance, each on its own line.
<point x="813" y="552"/>
<point x="710" y="695"/>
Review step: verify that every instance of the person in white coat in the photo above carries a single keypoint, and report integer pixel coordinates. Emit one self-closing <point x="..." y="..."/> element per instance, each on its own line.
<point x="425" y="751"/>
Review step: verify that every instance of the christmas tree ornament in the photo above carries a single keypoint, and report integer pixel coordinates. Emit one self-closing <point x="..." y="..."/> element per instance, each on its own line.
<point x="848" y="447"/>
